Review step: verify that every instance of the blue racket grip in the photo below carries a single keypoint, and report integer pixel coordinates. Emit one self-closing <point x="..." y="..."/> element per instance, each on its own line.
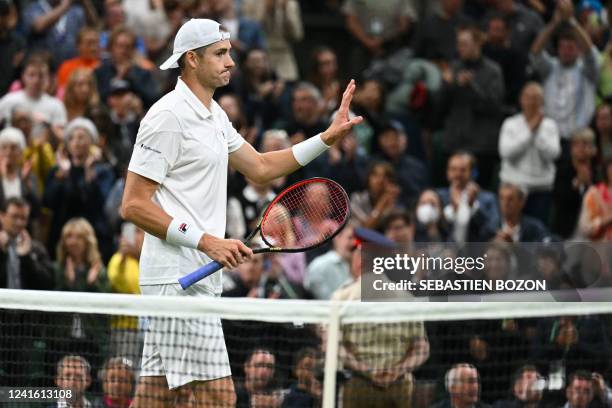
<point x="199" y="274"/>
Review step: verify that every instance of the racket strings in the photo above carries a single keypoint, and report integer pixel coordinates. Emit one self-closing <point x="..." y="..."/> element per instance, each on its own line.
<point x="305" y="215"/>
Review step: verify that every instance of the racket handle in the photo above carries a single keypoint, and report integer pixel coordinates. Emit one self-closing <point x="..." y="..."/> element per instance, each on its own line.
<point x="199" y="274"/>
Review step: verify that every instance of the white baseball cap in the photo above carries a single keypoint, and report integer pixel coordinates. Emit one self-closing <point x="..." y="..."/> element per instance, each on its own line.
<point x="196" y="33"/>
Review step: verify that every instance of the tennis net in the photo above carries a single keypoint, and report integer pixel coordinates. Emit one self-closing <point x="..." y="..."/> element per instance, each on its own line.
<point x="297" y="353"/>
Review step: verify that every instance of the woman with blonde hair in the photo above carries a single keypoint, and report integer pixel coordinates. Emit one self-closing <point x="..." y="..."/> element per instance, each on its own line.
<point x="81" y="93"/>
<point x="80" y="266"/>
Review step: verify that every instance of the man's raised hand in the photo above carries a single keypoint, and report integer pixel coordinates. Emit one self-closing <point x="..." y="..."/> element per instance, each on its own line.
<point x="342" y="124"/>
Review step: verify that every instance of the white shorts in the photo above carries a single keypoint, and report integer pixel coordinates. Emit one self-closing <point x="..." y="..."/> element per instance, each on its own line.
<point x="183" y="350"/>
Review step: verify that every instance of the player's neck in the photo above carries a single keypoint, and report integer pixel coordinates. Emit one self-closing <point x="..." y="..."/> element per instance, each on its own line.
<point x="204" y="94"/>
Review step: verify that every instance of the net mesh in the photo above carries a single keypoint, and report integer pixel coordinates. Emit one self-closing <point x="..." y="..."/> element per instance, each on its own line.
<point x="305" y="215"/>
<point x="301" y="353"/>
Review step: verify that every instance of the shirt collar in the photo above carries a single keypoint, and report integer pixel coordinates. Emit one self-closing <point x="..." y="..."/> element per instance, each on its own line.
<point x="192" y="100"/>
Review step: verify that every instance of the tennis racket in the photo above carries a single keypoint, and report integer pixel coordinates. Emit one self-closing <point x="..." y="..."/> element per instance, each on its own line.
<point x="302" y="217"/>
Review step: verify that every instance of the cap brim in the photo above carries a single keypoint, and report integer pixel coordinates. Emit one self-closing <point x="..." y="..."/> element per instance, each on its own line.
<point x="171" y="62"/>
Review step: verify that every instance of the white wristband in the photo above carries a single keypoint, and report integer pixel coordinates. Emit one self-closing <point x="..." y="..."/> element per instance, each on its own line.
<point x="183" y="234"/>
<point x="308" y="150"/>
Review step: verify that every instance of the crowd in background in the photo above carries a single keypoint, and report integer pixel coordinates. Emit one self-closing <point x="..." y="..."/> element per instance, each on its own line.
<point x="485" y="121"/>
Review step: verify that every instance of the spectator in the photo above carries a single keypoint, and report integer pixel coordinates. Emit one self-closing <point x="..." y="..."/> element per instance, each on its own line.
<point x="435" y="39"/>
<point x="245" y="281"/>
<point x="24" y="263"/>
<point x="370" y="206"/>
<point x="524" y="24"/>
<point x="472" y="96"/>
<point x="33" y="96"/>
<point x="463" y="385"/>
<point x="579" y="391"/>
<point x="245" y="209"/>
<point x="511" y="58"/>
<point x="126" y="339"/>
<point x="79" y="185"/>
<point x="80" y="267"/>
<point x="482" y="215"/>
<point x="514" y="226"/>
<point x="527" y="389"/>
<point x="234" y="108"/>
<point x="307" y="108"/>
<point x="380" y="28"/>
<point x="12" y="45"/>
<point x="329" y="271"/>
<point x="150" y="22"/>
<point x="245" y="34"/>
<point x="55" y="25"/>
<point x="569" y="80"/>
<point x="259" y="387"/>
<point x="114" y="17"/>
<point x="325" y="76"/>
<point x="282" y="25"/>
<point x="381" y="357"/>
<point x="603" y="129"/>
<point x="411" y="173"/>
<point x="430" y="225"/>
<point x="369" y="103"/>
<point x="118" y="379"/>
<point x="15" y="176"/>
<point x="398" y="227"/>
<point x="121" y="65"/>
<point x="529" y="144"/>
<point x="88" y="44"/>
<point x="596" y="216"/>
<point x="572" y="180"/>
<point x="306" y="391"/>
<point x="81" y="93"/>
<point x="74" y="374"/>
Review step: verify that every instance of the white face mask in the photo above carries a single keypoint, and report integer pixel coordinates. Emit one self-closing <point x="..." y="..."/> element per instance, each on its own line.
<point x="427" y="214"/>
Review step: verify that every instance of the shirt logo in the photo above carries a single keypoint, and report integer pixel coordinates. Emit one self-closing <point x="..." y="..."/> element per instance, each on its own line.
<point x="145" y="147"/>
<point x="183" y="228"/>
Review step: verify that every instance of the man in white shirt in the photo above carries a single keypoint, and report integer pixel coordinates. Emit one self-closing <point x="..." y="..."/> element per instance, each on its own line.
<point x="176" y="191"/>
<point x="33" y="96"/>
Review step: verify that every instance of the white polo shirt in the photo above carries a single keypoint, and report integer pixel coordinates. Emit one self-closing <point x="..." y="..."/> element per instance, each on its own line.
<point x="184" y="147"/>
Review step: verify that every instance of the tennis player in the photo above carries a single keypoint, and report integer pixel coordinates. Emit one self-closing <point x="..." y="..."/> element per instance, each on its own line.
<point x="176" y="191"/>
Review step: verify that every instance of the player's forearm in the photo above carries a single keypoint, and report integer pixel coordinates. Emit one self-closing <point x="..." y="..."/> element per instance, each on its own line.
<point x="148" y="216"/>
<point x="277" y="164"/>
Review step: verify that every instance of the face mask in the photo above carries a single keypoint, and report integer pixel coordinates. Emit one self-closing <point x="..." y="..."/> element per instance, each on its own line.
<point x="427" y="213"/>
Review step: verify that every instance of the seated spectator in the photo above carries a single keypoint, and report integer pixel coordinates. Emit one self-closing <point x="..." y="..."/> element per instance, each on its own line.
<point x="115" y="16"/>
<point x="306" y="391"/>
<point x="81" y="93"/>
<point x="435" y="36"/>
<point x="603" y="129"/>
<point x="282" y="25"/>
<point x="88" y="45"/>
<point x="74" y="374"/>
<point x="54" y="25"/>
<point x="16" y="178"/>
<point x="369" y="103"/>
<point x="471" y="212"/>
<point x="524" y="24"/>
<point x="233" y="107"/>
<point x="430" y="225"/>
<point x="398" y="227"/>
<point x="245" y="209"/>
<point x="33" y="96"/>
<point x="511" y="58"/>
<point x="307" y="113"/>
<point x="259" y="388"/>
<point x="573" y="178"/>
<point x="529" y="145"/>
<point x="514" y="225"/>
<point x="118" y="379"/>
<point x="121" y="65"/>
<point x="412" y="175"/>
<point x="472" y="100"/>
<point x="596" y="215"/>
<point x="24" y="262"/>
<point x="12" y="45"/>
<point x="325" y="76"/>
<point x="579" y="391"/>
<point x="245" y="34"/>
<point x="569" y="79"/>
<point x="527" y="389"/>
<point x="126" y="338"/>
<point x="79" y="265"/>
<point x="463" y="386"/>
<point x="329" y="271"/>
<point x="79" y="185"/>
<point x="245" y="281"/>
<point x="381" y="196"/>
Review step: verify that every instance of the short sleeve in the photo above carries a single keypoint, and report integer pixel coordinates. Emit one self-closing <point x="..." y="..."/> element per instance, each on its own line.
<point x="157" y="146"/>
<point x="234" y="139"/>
